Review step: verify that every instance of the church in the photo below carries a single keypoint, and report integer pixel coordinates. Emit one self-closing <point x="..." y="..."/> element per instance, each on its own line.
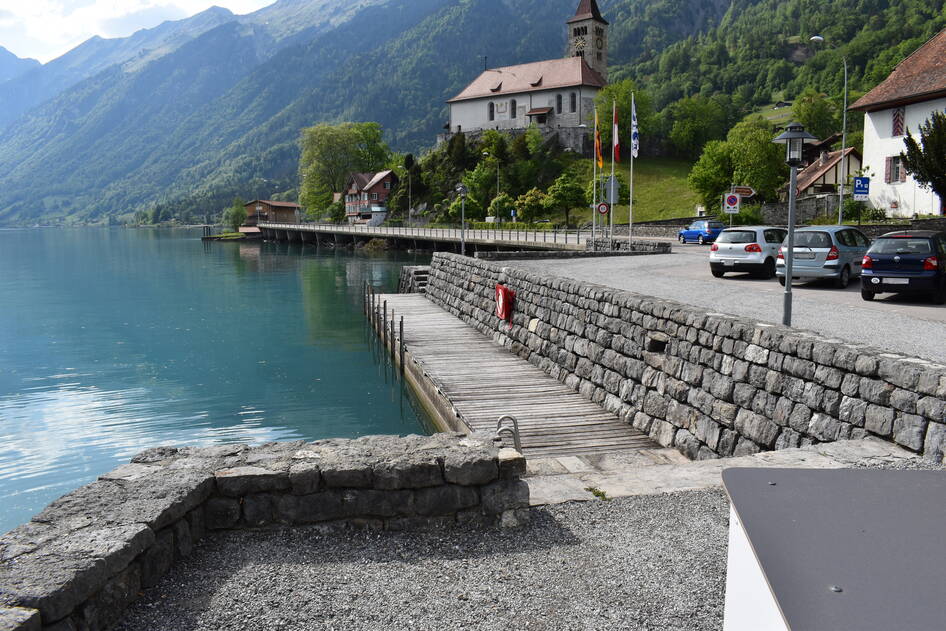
<point x="557" y="95"/>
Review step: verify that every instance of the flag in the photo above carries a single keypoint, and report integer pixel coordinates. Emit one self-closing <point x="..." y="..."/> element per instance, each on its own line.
<point x="617" y="141"/>
<point x="635" y="137"/>
<point x="598" y="155"/>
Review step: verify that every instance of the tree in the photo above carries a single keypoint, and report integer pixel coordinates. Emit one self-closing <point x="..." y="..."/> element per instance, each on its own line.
<point x="336" y="211"/>
<point x="926" y="160"/>
<point x="566" y="193"/>
<point x="473" y="210"/>
<point x="695" y="121"/>
<point x="481" y="182"/>
<point x="530" y="204"/>
<point x="331" y="152"/>
<point x="816" y="113"/>
<point x="235" y="215"/>
<point x="711" y="176"/>
<point x="621" y="94"/>
<point x="502" y="206"/>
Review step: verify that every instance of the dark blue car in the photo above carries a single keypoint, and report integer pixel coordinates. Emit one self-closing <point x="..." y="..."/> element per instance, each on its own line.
<point x="701" y="231"/>
<point x="907" y="262"/>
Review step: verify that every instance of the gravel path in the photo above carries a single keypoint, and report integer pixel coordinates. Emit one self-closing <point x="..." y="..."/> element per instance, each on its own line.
<point x="652" y="562"/>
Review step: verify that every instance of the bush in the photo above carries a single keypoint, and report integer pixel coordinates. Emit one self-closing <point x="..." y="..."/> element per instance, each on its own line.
<point x="748" y="216"/>
<point x="510" y="225"/>
<point x="859" y="211"/>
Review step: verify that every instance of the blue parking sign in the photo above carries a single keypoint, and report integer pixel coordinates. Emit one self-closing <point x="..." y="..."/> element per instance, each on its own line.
<point x="861" y="189"/>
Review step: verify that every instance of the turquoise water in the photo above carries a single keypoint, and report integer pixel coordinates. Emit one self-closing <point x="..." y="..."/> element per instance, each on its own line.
<point x="115" y="340"/>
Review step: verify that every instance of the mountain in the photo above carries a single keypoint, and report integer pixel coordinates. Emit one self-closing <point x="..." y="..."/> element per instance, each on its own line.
<point x="12" y="66"/>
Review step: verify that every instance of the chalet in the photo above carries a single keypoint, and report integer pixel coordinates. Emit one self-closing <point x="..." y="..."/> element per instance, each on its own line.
<point x="903" y="101"/>
<point x="260" y="210"/>
<point x="556" y="95"/>
<point x="823" y="174"/>
<point x="366" y="196"/>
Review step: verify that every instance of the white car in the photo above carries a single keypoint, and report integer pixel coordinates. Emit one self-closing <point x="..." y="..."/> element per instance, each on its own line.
<point x="751" y="249"/>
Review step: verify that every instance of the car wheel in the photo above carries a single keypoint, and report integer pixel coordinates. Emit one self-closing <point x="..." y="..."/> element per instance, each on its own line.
<point x="682" y="238"/>
<point x="701" y="240"/>
<point x="844" y="278"/>
<point x="717" y="273"/>
<point x="768" y="270"/>
<point x="939" y="296"/>
<point x="781" y="281"/>
<point x="867" y="294"/>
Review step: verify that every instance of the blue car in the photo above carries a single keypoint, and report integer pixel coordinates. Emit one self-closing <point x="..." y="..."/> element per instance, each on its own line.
<point x="906" y="262"/>
<point x="701" y="231"/>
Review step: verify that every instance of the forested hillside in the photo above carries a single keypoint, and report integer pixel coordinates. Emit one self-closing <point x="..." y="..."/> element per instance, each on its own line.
<point x="220" y="114"/>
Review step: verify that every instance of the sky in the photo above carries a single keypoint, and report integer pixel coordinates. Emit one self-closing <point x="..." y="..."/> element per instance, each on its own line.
<point x="45" y="29"/>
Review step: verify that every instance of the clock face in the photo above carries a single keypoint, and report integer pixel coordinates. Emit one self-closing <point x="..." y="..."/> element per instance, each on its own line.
<point x="579" y="43"/>
<point x="600" y="43"/>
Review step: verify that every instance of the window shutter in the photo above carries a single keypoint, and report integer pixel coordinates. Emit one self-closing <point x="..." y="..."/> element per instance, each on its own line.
<point x="888" y="168"/>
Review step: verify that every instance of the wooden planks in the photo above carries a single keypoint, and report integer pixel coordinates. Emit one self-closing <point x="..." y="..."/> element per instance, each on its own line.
<point x="483" y="381"/>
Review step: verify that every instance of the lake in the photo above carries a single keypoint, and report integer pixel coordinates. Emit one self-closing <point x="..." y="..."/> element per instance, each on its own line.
<point x="116" y="340"/>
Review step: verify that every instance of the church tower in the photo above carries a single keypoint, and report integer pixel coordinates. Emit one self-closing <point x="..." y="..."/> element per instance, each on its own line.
<point x="588" y="36"/>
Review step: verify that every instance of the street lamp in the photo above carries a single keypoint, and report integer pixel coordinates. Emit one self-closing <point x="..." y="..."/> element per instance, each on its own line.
<point x="793" y="138"/>
<point x="462" y="190"/>
<point x="818" y="39"/>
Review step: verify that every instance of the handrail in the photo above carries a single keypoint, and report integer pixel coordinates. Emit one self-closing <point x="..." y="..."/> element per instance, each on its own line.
<point x="494" y="235"/>
<point x="514" y="430"/>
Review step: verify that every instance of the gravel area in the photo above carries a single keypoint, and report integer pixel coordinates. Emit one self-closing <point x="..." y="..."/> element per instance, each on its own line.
<point x="651" y="562"/>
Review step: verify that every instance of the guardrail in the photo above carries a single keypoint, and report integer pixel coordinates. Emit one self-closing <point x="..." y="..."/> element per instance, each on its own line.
<point x="575" y="238"/>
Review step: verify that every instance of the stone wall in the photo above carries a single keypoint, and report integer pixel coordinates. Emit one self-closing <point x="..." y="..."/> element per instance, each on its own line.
<point x="76" y="565"/>
<point x="623" y="246"/>
<point x="709" y="384"/>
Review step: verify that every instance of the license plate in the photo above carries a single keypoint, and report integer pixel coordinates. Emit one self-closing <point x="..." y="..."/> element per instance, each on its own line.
<point x="896" y="281"/>
<point x="804" y="255"/>
<point x="728" y="262"/>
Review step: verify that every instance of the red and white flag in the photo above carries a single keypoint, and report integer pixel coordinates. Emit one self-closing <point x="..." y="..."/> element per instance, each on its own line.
<point x="617" y="140"/>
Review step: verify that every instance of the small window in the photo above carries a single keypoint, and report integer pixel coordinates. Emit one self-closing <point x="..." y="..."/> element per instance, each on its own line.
<point x="895" y="171"/>
<point x="387" y="184"/>
<point x="512" y="109"/>
<point x="845" y="237"/>
<point x="573" y="104"/>
<point x="898" y="116"/>
<point x="374" y="197"/>
<point x="491" y="111"/>
<point x="558" y="103"/>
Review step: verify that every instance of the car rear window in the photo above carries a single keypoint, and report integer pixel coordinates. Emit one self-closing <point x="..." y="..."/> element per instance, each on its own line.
<point x="716" y="224"/>
<point x="901" y="245"/>
<point x="736" y="236"/>
<point x="812" y="240"/>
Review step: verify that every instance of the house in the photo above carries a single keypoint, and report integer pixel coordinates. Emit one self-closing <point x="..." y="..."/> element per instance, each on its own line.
<point x="822" y="175"/>
<point x="903" y="101"/>
<point x="556" y="95"/>
<point x="260" y="210"/>
<point x="366" y="196"/>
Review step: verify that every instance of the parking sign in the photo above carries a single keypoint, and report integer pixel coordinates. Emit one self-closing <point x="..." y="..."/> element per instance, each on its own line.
<point x="731" y="203"/>
<point x="861" y="189"/>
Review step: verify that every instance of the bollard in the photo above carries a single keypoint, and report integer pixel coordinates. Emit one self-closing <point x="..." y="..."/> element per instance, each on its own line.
<point x="384" y="324"/>
<point x="401" y="341"/>
<point x="392" y="335"/>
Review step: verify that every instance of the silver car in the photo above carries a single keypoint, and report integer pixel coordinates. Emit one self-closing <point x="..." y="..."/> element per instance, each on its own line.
<point x="751" y="249"/>
<point x="833" y="252"/>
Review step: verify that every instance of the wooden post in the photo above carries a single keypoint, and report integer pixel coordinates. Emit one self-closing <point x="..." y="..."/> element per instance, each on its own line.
<point x="384" y="324"/>
<point x="401" y="342"/>
<point x="392" y="336"/>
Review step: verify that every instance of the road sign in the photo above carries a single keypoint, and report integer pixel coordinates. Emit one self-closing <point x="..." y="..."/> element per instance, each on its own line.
<point x="744" y="192"/>
<point x="613" y="190"/>
<point x="603" y="208"/>
<point x="731" y="203"/>
<point x="861" y="189"/>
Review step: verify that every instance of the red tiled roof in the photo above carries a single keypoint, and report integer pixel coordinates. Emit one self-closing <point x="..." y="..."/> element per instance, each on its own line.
<point x="539" y="75"/>
<point x="538" y="111"/>
<point x="816" y="169"/>
<point x="273" y="204"/>
<point x="919" y="77"/>
<point x="358" y="182"/>
<point x="587" y="9"/>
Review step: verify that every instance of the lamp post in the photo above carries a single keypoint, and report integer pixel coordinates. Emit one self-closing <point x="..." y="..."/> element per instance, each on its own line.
<point x="462" y="190"/>
<point x="818" y="39"/>
<point x="793" y="138"/>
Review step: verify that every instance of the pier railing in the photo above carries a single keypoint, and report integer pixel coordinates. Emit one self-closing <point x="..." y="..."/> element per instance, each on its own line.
<point x="553" y="238"/>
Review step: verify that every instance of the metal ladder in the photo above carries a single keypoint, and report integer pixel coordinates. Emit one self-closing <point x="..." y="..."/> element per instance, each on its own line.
<point x="514" y="430"/>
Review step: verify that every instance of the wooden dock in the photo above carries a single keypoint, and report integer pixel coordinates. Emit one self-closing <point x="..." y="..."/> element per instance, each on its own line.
<point x="482" y="381"/>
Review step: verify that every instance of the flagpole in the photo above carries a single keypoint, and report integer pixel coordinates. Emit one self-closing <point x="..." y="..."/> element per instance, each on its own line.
<point x="594" y="186"/>
<point x="611" y="196"/>
<point x="630" y="198"/>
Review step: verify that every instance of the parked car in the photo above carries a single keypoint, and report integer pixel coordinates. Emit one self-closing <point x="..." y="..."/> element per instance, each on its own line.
<point x="832" y="252"/>
<point x="906" y="262"/>
<point x="746" y="249"/>
<point x="701" y="231"/>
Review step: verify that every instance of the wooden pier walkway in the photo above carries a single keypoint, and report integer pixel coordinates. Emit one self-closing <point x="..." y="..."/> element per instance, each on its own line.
<point x="483" y="381"/>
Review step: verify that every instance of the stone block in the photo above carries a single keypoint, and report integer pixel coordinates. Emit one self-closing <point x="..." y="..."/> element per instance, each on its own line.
<point x="932" y="408"/>
<point x="197" y="523"/>
<point x="745" y="447"/>
<point x="783" y="411"/>
<point x="469" y="468"/>
<point x="876" y="391"/>
<point x="934" y="445"/>
<point x="365" y="503"/>
<point x="241" y="481"/>
<point x="904" y="400"/>
<point x="511" y="464"/>
<point x="825" y="428"/>
<point x="304" y="477"/>
<point x="20" y="619"/>
<point x="878" y="420"/>
<point x="909" y="431"/>
<point x="106" y="607"/>
<point x="866" y="365"/>
<point x="743" y="394"/>
<point x="756" y="427"/>
<point x="222" y="512"/>
<point x="642" y="422"/>
<point x="498" y="497"/>
<point x="757" y="354"/>
<point x="829" y="377"/>
<point x="687" y="444"/>
<point x="800" y="419"/>
<point x="850" y="385"/>
<point x="447" y="499"/>
<point x="724" y="412"/>
<point x="662" y="432"/>
<point x="348" y="473"/>
<point x="309" y="509"/>
<point x="260" y="509"/>
<point x="655" y="405"/>
<point x="853" y="411"/>
<point x="707" y="431"/>
<point x="183" y="543"/>
<point x="788" y="439"/>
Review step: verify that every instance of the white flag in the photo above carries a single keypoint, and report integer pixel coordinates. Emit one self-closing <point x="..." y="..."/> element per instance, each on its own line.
<point x="635" y="137"/>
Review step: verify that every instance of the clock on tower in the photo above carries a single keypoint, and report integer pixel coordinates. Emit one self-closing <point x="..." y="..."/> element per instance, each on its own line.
<point x="588" y="36"/>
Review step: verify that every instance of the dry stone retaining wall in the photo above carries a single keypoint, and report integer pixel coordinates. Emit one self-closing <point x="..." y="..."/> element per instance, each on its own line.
<point x="76" y="565"/>
<point x="710" y="384"/>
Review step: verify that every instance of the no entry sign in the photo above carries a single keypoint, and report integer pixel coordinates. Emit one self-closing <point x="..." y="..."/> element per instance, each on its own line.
<point x="603" y="208"/>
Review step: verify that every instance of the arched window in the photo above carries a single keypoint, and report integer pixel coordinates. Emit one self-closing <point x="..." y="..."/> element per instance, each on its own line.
<point x="492" y="112"/>
<point x="512" y="109"/>
<point x="574" y="103"/>
<point x="558" y="103"/>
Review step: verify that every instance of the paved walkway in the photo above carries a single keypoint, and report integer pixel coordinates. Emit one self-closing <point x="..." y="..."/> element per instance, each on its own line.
<point x="483" y="381"/>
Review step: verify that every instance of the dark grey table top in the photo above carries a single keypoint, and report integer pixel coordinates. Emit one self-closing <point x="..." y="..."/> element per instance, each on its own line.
<point x="848" y="549"/>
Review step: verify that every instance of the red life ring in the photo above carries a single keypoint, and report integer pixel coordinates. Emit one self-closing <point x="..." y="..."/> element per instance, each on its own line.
<point x="505" y="299"/>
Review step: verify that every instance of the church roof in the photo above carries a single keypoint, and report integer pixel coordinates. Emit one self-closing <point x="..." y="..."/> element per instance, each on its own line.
<point x="540" y="75"/>
<point x="919" y="77"/>
<point x="588" y="10"/>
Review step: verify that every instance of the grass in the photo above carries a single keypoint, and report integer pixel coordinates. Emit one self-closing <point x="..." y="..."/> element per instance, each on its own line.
<point x="778" y="117"/>
<point x="601" y="495"/>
